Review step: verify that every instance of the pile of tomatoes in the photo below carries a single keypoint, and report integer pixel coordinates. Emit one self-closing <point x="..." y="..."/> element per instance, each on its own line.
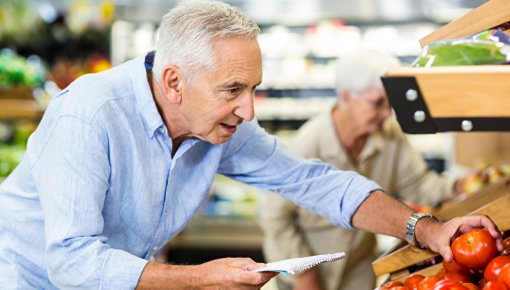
<point x="477" y="265"/>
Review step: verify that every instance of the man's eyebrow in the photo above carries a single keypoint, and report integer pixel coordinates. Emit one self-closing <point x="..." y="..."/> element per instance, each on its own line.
<point x="235" y="84"/>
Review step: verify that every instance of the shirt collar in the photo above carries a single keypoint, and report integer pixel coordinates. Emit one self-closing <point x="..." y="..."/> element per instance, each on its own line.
<point x="329" y="140"/>
<point x="331" y="146"/>
<point x="151" y="118"/>
<point x="373" y="146"/>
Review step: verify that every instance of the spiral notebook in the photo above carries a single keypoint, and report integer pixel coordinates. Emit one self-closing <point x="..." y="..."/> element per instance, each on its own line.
<point x="296" y="265"/>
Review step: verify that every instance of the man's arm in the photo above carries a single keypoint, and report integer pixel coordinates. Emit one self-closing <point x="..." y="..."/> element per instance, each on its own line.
<point x="228" y="273"/>
<point x="382" y="214"/>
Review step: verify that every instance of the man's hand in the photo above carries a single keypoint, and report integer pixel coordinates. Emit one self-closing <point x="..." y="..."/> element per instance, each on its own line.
<point x="227" y="273"/>
<point x="308" y="280"/>
<point x="438" y="236"/>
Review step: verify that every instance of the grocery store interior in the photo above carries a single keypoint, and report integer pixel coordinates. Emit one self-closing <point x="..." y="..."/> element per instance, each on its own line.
<point x="46" y="44"/>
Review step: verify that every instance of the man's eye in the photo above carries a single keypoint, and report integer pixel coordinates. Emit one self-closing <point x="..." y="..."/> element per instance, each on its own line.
<point x="233" y="91"/>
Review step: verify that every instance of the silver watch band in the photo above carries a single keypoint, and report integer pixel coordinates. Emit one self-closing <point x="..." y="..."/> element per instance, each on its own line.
<point x="411" y="226"/>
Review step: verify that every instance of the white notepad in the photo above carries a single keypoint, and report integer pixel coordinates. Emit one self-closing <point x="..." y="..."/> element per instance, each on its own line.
<point x="293" y="266"/>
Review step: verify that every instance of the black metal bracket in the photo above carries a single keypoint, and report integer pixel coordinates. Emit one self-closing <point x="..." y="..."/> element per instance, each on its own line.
<point x="406" y="99"/>
<point x="413" y="115"/>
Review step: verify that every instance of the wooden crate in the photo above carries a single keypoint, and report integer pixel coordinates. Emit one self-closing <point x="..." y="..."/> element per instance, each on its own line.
<point x="456" y="98"/>
<point x="18" y="103"/>
<point x="16" y="93"/>
<point x="493" y="201"/>
<point x="450" y="96"/>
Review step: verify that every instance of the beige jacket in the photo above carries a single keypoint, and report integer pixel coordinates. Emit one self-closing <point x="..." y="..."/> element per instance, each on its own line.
<point x="388" y="159"/>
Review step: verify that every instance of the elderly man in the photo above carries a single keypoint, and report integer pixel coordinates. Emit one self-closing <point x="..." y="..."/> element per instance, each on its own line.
<point x="123" y="159"/>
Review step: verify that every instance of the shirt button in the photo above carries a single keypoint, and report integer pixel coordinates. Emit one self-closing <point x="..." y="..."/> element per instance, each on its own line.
<point x="155" y="249"/>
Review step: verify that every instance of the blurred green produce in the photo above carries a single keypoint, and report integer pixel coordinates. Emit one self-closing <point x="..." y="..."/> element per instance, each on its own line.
<point x="10" y="156"/>
<point x="16" y="70"/>
<point x="491" y="46"/>
<point x="462" y="53"/>
<point x="12" y="148"/>
<point x="19" y="20"/>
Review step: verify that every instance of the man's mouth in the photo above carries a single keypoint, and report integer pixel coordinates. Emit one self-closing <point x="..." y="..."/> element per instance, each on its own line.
<point x="231" y="129"/>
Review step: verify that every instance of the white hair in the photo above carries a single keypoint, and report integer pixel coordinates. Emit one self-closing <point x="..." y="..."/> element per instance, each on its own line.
<point x="187" y="31"/>
<point x="362" y="70"/>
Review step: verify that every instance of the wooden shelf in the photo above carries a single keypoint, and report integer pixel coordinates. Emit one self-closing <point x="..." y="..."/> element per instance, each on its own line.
<point x="16" y="93"/>
<point x="18" y="103"/>
<point x="464" y="98"/>
<point x="455" y="98"/>
<point x="397" y="262"/>
<point x="492" y="14"/>
<point x="20" y="109"/>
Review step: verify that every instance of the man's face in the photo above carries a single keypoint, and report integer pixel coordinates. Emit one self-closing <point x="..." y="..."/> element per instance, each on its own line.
<point x="371" y="108"/>
<point x="219" y="100"/>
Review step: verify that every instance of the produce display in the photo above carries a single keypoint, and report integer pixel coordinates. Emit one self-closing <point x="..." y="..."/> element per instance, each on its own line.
<point x="16" y="70"/>
<point x="10" y="156"/>
<point x="485" y="176"/>
<point x="488" y="47"/>
<point x="476" y="265"/>
<point x="12" y="145"/>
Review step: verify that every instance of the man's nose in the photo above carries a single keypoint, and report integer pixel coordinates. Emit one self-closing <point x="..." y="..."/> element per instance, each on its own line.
<point x="386" y="111"/>
<point x="245" y="109"/>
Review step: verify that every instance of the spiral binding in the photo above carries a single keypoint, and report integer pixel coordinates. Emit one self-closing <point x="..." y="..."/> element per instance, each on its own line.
<point x="296" y="265"/>
<point x="310" y="262"/>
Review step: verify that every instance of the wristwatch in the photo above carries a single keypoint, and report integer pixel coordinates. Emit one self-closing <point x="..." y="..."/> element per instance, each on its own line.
<point x="410" y="228"/>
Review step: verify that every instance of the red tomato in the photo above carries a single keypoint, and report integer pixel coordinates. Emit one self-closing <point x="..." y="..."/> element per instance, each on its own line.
<point x="474" y="249"/>
<point x="446" y="284"/>
<point x="391" y="284"/>
<point x="428" y="283"/>
<point x="456" y="276"/>
<point x="494" y="285"/>
<point x="504" y="275"/>
<point x="506" y="252"/>
<point x="482" y="283"/>
<point x="412" y="281"/>
<point x="506" y="243"/>
<point x="398" y="288"/>
<point x="452" y="266"/>
<point x="492" y="269"/>
<point x="440" y="273"/>
<point x="471" y="286"/>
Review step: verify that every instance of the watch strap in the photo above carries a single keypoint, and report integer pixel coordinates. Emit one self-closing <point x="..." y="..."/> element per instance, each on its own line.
<point x="411" y="228"/>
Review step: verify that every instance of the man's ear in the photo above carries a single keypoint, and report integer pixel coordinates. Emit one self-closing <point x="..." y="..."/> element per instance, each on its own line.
<point x="172" y="81"/>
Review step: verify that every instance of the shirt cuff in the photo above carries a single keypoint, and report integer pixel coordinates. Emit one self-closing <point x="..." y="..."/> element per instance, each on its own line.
<point x="359" y="191"/>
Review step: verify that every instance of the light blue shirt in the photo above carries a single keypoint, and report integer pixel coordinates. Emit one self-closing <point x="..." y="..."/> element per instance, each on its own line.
<point x="98" y="192"/>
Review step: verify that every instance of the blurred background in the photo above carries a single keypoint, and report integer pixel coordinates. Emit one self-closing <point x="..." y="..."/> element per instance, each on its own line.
<point x="46" y="44"/>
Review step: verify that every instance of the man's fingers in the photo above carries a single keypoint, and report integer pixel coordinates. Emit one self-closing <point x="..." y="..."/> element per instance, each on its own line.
<point x="490" y="226"/>
<point x="254" y="266"/>
<point x="499" y="245"/>
<point x="447" y="254"/>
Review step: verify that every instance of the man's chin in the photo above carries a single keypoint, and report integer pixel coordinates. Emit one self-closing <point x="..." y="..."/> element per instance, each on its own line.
<point x="219" y="139"/>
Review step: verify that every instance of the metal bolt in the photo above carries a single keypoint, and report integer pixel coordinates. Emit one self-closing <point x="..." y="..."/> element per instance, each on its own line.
<point x="419" y="116"/>
<point x="411" y="95"/>
<point x="467" y="125"/>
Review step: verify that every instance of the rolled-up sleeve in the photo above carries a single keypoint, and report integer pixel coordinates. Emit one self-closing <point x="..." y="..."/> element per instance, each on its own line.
<point x="259" y="159"/>
<point x="72" y="176"/>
